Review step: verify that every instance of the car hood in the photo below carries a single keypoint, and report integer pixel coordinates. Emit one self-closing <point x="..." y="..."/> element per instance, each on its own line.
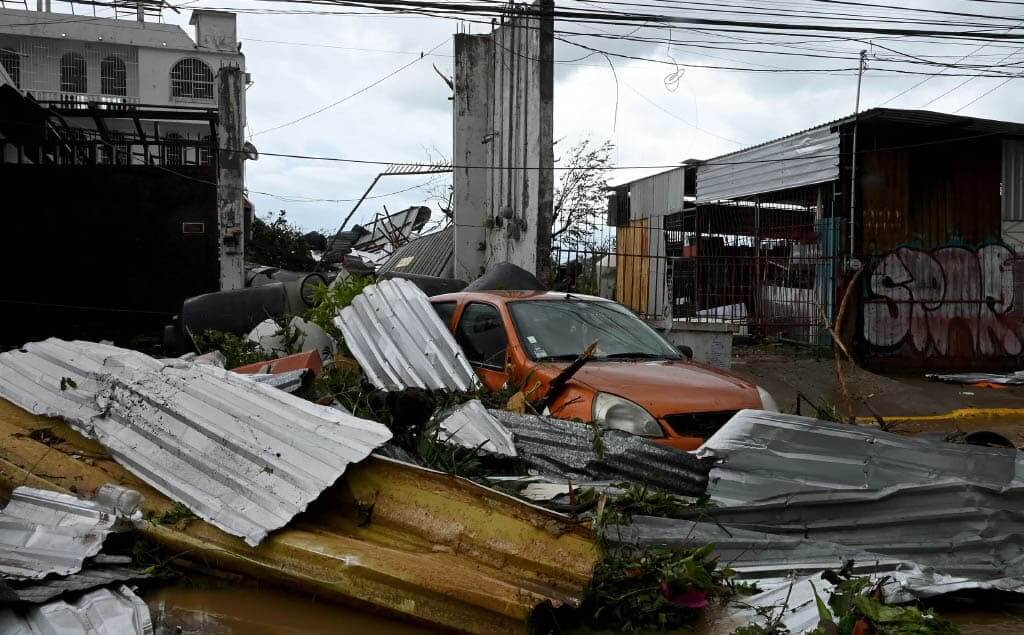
<point x="667" y="387"/>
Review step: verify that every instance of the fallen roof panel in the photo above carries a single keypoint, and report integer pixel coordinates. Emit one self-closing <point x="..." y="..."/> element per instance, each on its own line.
<point x="400" y="342"/>
<point x="471" y="426"/>
<point x="762" y="454"/>
<point x="566" y="449"/>
<point x="101" y="612"/>
<point x="243" y="456"/>
<point x="44" y="532"/>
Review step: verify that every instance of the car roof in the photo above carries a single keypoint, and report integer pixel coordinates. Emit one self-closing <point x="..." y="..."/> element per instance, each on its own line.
<point x="502" y="297"/>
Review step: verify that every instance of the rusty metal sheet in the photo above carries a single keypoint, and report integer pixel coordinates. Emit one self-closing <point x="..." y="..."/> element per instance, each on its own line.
<point x="44" y="532"/>
<point x="100" y="571"/>
<point x="101" y="612"/>
<point x="400" y="342"/>
<point x="406" y="541"/>
<point x="241" y="455"/>
<point x="566" y="449"/>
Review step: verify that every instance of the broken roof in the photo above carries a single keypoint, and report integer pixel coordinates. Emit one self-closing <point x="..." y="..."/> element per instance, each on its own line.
<point x="400" y="342"/>
<point x="241" y="455"/>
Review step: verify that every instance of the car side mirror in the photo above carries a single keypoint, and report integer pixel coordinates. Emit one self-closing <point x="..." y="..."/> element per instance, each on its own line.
<point x="686" y="351"/>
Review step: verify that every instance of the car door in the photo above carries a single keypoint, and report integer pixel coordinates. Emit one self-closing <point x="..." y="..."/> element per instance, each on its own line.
<point x="481" y="334"/>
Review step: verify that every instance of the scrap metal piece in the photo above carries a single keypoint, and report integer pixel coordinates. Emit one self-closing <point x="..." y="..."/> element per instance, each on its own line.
<point x="101" y="612"/>
<point x="566" y="449"/>
<point x="400" y="342"/>
<point x="761" y="454"/>
<point x="241" y="455"/>
<point x="1007" y="379"/>
<point x="101" y="571"/>
<point x="289" y="381"/>
<point x="472" y="426"/>
<point x="44" y="532"/>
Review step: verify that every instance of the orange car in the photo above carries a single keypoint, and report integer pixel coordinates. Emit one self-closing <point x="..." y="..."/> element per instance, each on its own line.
<point x="636" y="382"/>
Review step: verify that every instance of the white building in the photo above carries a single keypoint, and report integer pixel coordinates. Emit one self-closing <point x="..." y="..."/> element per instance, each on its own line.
<point x="113" y="63"/>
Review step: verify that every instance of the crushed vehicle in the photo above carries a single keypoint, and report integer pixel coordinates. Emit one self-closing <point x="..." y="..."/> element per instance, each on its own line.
<point x="635" y="380"/>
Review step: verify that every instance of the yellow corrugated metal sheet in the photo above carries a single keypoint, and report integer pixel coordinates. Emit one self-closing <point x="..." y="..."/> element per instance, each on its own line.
<point x="434" y="548"/>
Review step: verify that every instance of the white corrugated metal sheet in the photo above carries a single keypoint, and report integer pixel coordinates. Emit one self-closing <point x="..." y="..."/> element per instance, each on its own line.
<point x="44" y="532"/>
<point x="759" y="455"/>
<point x="1013" y="180"/>
<point x="243" y="456"/>
<point x="656" y="195"/>
<point x="101" y="612"/>
<point x="805" y="158"/>
<point x="471" y="426"/>
<point x="400" y="342"/>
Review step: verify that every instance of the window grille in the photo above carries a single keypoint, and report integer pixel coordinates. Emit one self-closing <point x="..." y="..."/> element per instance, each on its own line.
<point x="174" y="150"/>
<point x="73" y="74"/>
<point x="113" y="76"/>
<point x="191" y="79"/>
<point x="11" y="62"/>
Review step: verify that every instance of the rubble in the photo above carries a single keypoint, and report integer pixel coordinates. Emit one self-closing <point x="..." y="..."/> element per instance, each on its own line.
<point x="96" y="613"/>
<point x="566" y="449"/>
<point x="45" y="533"/>
<point x="241" y="455"/>
<point x="471" y="426"/>
<point x="400" y="342"/>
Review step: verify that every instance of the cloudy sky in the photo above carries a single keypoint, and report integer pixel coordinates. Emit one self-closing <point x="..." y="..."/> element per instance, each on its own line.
<point x="301" y="63"/>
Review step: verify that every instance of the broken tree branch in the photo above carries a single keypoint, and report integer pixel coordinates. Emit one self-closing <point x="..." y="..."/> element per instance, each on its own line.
<point x="560" y="380"/>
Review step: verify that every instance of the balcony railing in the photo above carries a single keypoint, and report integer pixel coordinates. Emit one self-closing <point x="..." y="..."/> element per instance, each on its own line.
<point x="86" y="100"/>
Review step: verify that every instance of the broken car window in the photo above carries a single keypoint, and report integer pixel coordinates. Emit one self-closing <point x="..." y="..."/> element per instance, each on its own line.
<point x="481" y="334"/>
<point x="561" y="329"/>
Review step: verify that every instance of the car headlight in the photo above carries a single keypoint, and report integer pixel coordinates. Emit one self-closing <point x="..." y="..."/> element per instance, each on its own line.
<point x="767" y="401"/>
<point x="621" y="414"/>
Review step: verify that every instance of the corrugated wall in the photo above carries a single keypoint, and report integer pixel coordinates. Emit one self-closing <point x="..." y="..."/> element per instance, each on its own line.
<point x="657" y="195"/>
<point x="803" y="159"/>
<point x="1013" y="180"/>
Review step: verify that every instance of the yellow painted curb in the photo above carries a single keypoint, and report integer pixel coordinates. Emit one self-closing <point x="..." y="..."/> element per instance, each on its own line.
<point x="955" y="415"/>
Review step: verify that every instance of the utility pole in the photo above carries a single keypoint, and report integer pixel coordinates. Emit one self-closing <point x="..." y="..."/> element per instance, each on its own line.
<point x="862" y="66"/>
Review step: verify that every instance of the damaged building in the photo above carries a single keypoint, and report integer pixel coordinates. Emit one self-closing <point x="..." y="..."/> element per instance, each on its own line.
<point x="141" y="125"/>
<point x="769" y="239"/>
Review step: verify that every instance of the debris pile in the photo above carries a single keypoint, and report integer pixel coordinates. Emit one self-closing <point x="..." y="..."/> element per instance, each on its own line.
<point x="52" y="547"/>
<point x="481" y="512"/>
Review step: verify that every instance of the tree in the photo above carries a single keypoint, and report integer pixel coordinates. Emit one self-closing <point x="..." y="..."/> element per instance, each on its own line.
<point x="581" y="198"/>
<point x="277" y="243"/>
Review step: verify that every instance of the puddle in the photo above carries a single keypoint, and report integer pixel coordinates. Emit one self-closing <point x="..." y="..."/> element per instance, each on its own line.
<point x="195" y="611"/>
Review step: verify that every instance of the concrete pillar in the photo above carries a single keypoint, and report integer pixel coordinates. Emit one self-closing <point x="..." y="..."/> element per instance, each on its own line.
<point x="231" y="176"/>
<point x="473" y="100"/>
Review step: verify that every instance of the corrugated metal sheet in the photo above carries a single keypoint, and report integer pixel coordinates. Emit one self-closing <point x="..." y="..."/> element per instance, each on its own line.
<point x="565" y="449"/>
<point x="805" y="158"/>
<point x="100" y="571"/>
<point x="429" y="255"/>
<point x="241" y="455"/>
<point x="1013" y="180"/>
<point x="438" y="549"/>
<point x="101" y="612"/>
<point x="471" y="426"/>
<point x="400" y="342"/>
<point x="44" y="532"/>
<point x="760" y="455"/>
<point x="657" y="195"/>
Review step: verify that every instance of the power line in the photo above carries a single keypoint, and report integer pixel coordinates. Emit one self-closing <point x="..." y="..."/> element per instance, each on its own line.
<point x="348" y="97"/>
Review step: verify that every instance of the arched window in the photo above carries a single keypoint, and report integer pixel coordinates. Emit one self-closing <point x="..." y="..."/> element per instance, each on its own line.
<point x="191" y="79"/>
<point x="174" y="149"/>
<point x="113" y="76"/>
<point x="73" y="74"/>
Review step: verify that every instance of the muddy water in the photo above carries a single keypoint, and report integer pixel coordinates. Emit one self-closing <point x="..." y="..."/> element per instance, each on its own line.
<point x="227" y="611"/>
<point x="198" y="611"/>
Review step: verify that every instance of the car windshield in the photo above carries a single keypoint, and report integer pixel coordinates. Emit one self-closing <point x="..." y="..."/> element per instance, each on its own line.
<point x="553" y="330"/>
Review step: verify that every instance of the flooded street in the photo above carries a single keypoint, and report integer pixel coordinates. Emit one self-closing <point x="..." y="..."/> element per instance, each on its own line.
<point x="202" y="611"/>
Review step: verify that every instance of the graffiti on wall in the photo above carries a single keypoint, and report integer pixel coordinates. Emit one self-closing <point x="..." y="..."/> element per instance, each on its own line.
<point x="950" y="301"/>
